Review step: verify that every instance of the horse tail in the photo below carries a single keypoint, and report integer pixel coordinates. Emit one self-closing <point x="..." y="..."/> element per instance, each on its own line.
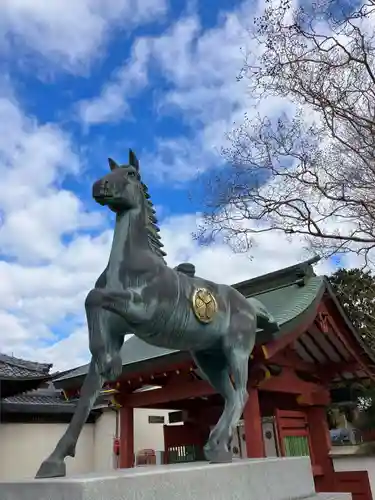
<point x="265" y="321"/>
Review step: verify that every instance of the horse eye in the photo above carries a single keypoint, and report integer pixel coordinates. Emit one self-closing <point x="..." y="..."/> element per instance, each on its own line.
<point x="131" y="174"/>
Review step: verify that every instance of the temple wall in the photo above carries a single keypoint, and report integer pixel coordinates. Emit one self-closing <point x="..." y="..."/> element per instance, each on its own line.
<point x="104" y="433"/>
<point x="24" y="446"/>
<point x="148" y="435"/>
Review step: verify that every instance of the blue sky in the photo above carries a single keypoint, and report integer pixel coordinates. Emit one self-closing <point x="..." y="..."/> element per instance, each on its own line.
<point x="88" y="81"/>
<point x="53" y="94"/>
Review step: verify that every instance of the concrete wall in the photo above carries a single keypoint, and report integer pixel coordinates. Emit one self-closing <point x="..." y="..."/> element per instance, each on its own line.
<point x="24" y="446"/>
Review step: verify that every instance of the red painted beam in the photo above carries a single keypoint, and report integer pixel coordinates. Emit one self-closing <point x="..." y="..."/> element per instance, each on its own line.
<point x="173" y="392"/>
<point x="253" y="426"/>
<point x="272" y="348"/>
<point x="126" y="438"/>
<point x="289" y="358"/>
<point x="288" y="382"/>
<point x="320" y="443"/>
<point x="179" y="389"/>
<point x="317" y="398"/>
<point x="149" y="376"/>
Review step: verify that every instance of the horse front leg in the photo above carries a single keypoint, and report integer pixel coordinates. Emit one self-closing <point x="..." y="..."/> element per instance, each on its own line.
<point x="54" y="465"/>
<point x="105" y="341"/>
<point x="103" y="346"/>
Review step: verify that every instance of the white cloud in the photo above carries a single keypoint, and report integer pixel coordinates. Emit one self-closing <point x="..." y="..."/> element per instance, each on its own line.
<point x="219" y="263"/>
<point x="32" y="155"/>
<point x="34" y="160"/>
<point x="38" y="295"/>
<point x="112" y="103"/>
<point x="71" y="34"/>
<point x="47" y="263"/>
<point x="200" y="68"/>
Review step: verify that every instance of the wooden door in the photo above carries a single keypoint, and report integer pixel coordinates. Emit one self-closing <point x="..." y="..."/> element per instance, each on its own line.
<point x="183" y="443"/>
<point x="293" y="433"/>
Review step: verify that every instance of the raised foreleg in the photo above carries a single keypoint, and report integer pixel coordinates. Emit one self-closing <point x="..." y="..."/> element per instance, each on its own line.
<point x="102" y="306"/>
<point x="105" y="344"/>
<point x="54" y="465"/>
<point x="105" y="340"/>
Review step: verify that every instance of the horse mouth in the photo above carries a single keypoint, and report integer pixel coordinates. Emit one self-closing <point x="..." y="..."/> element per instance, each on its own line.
<point x="110" y="202"/>
<point x="102" y="199"/>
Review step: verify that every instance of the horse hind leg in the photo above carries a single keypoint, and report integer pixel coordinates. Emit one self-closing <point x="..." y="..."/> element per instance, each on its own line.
<point x="213" y="365"/>
<point x="239" y="366"/>
<point x="237" y="348"/>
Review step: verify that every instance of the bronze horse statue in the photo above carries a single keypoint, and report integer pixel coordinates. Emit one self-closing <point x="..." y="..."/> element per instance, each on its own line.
<point x="172" y="308"/>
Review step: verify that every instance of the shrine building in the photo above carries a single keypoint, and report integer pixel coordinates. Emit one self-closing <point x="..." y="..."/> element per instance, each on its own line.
<point x="290" y="384"/>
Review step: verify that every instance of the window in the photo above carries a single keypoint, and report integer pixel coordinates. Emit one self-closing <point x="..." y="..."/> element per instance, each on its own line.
<point x="155" y="419"/>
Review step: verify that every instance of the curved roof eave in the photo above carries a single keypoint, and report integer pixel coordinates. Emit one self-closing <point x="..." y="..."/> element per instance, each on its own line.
<point x="370" y="353"/>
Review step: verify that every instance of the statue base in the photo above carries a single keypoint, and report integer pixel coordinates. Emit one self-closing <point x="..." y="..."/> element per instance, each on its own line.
<point x="265" y="479"/>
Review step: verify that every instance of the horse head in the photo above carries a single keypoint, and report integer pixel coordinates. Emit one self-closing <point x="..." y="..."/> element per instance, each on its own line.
<point x="121" y="189"/>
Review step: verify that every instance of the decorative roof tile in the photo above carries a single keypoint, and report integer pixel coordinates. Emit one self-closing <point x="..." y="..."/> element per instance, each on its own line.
<point x="35" y="399"/>
<point x="11" y="367"/>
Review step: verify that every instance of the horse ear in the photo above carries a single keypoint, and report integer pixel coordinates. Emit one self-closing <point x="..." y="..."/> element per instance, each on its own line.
<point x="133" y="160"/>
<point x="112" y="164"/>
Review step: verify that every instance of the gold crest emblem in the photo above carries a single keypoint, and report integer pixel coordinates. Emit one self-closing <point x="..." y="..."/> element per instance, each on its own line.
<point x="204" y="305"/>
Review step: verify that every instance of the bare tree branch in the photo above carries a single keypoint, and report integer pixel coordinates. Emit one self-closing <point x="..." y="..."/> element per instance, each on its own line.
<point x="310" y="172"/>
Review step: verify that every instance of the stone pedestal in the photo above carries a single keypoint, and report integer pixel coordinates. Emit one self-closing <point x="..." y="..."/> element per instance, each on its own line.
<point x="254" y="479"/>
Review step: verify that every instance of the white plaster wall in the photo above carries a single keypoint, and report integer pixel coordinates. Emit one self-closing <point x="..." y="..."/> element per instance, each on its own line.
<point x="24" y="446"/>
<point x="104" y="434"/>
<point x="357" y="463"/>
<point x="148" y="436"/>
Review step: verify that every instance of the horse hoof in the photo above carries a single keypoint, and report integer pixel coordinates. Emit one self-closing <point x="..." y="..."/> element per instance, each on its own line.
<point x="51" y="468"/>
<point x="218" y="456"/>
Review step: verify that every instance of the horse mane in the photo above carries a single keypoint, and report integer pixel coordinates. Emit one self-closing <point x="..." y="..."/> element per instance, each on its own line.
<point x="152" y="227"/>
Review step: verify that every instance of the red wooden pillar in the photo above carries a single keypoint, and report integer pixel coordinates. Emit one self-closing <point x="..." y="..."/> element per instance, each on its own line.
<point x="126" y="437"/>
<point x="320" y="443"/>
<point x="253" y="426"/>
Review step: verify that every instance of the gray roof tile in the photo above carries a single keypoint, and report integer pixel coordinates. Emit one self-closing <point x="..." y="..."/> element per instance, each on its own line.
<point x="11" y="367"/>
<point x="35" y="399"/>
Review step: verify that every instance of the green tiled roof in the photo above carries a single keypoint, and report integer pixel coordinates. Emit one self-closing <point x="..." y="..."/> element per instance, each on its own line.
<point x="289" y="294"/>
<point x="293" y="302"/>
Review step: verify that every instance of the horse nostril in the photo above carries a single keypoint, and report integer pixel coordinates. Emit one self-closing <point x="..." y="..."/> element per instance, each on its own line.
<point x="99" y="188"/>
